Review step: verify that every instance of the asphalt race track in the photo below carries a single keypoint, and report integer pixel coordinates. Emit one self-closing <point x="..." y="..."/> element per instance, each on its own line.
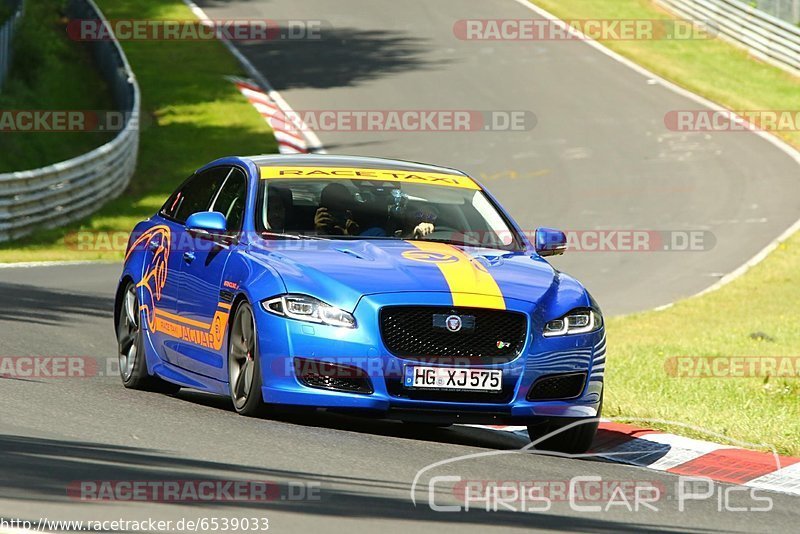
<point x="599" y="157"/>
<point x="58" y="432"/>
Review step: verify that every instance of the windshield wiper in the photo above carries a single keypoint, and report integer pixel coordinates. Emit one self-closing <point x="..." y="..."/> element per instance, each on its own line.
<point x="396" y="238"/>
<point x="281" y="235"/>
<point x="362" y="237"/>
<point x="467" y="244"/>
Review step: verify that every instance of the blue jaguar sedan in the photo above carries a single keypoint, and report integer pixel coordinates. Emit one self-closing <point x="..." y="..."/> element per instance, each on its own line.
<point x="365" y="285"/>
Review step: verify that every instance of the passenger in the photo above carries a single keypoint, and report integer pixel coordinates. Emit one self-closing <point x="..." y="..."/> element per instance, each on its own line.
<point x="334" y="215"/>
<point x="276" y="211"/>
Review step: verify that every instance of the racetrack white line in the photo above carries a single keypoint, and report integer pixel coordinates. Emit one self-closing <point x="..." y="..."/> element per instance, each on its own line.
<point x="314" y="144"/>
<point x="785" y="480"/>
<point x="774" y="140"/>
<point x="25" y="264"/>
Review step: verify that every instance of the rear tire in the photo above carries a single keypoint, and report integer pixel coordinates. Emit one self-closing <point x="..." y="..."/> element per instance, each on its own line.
<point x="130" y="343"/>
<point x="244" y="364"/>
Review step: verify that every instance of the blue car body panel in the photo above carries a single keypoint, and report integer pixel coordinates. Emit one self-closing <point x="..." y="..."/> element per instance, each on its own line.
<point x="187" y="307"/>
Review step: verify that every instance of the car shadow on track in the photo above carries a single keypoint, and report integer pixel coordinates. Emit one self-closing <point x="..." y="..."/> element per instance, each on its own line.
<point x="454" y="435"/>
<point x="33" y="304"/>
<point x="38" y="470"/>
<point x="338" y="57"/>
<point x="466" y="435"/>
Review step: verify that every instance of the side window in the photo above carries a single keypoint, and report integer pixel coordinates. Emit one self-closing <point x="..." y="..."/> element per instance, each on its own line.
<point x="230" y="200"/>
<point x="196" y="194"/>
<point x="172" y="204"/>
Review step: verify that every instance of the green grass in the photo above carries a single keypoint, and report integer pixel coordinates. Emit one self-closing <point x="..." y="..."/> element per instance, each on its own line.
<point x="190" y="115"/>
<point x="721" y="323"/>
<point x="5" y="12"/>
<point x="196" y="115"/>
<point x="713" y="68"/>
<point x="758" y="409"/>
<point x="46" y="60"/>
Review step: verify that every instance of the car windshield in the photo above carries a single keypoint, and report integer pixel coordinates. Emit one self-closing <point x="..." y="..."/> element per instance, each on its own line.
<point x="346" y="208"/>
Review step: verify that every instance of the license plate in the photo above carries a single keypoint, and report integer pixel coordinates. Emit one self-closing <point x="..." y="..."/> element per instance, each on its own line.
<point x="448" y="378"/>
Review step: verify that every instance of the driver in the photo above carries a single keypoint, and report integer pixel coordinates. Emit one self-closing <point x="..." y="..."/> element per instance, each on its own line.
<point x="418" y="222"/>
<point x="335" y="217"/>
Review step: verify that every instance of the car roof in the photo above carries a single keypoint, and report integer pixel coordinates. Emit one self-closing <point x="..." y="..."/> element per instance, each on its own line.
<point x="359" y="162"/>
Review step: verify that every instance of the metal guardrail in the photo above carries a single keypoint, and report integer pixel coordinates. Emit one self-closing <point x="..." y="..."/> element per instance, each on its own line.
<point x="788" y="10"/>
<point x="7" y="37"/>
<point x="52" y="196"/>
<point x="765" y="36"/>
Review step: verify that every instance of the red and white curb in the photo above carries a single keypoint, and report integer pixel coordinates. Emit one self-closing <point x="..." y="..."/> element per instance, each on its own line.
<point x="642" y="447"/>
<point x="288" y="127"/>
<point x="297" y="138"/>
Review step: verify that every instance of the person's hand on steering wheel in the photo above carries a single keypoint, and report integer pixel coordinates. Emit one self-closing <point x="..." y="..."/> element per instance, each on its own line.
<point x="422" y="230"/>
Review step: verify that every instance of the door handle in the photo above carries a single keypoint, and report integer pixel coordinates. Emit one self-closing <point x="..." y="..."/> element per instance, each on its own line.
<point x="188" y="257"/>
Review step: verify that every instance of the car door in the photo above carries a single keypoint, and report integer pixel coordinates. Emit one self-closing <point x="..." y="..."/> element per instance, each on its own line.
<point x="201" y="304"/>
<point x="196" y="194"/>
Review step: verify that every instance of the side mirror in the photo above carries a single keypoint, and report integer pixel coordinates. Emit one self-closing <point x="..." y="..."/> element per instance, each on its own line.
<point x="207" y="222"/>
<point x="550" y="242"/>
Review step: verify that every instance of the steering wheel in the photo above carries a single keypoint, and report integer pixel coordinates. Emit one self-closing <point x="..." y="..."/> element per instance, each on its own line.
<point x="451" y="234"/>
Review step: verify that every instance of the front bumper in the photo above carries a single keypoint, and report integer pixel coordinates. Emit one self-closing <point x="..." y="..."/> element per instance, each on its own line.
<point x="282" y="340"/>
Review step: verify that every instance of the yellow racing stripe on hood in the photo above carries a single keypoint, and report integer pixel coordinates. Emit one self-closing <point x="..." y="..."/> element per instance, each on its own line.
<point x="470" y="283"/>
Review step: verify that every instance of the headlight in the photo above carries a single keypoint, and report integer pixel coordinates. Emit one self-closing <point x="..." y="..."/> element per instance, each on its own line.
<point x="575" y="322"/>
<point x="309" y="309"/>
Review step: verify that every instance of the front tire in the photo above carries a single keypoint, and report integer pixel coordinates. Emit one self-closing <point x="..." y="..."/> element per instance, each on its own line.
<point x="244" y="364"/>
<point x="575" y="440"/>
<point x="130" y="342"/>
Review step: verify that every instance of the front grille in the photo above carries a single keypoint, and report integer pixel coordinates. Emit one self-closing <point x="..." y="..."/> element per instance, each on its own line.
<point x="325" y="375"/>
<point x="420" y="333"/>
<point x="553" y="387"/>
